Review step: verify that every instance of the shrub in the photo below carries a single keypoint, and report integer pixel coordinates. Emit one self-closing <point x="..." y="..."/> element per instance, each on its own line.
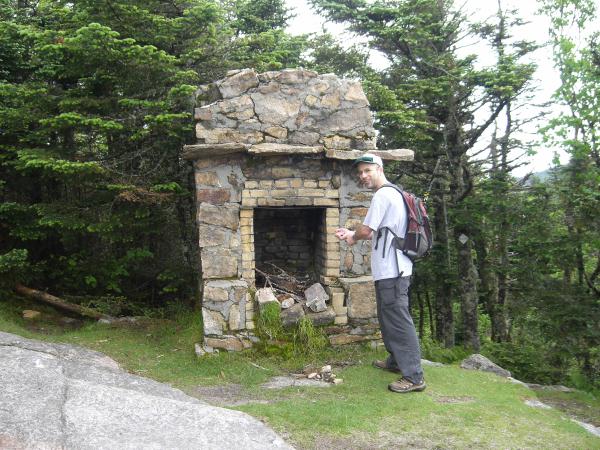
<point x="269" y="325"/>
<point x="307" y="338"/>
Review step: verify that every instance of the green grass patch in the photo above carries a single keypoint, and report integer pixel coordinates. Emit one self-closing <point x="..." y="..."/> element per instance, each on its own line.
<point x="459" y="408"/>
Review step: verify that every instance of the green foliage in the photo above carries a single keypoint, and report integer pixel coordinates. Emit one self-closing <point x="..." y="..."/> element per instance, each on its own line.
<point x="268" y="324"/>
<point x="433" y="351"/>
<point x="13" y="267"/>
<point x="96" y="104"/>
<point x="528" y="362"/>
<point x="304" y="339"/>
<point x="307" y="338"/>
<point x="259" y="16"/>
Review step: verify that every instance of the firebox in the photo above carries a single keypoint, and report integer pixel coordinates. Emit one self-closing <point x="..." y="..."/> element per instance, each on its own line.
<point x="291" y="240"/>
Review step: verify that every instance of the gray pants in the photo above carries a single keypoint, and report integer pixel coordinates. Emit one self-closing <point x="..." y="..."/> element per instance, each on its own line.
<point x="397" y="327"/>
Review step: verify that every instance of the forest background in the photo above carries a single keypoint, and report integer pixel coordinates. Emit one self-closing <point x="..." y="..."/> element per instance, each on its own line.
<point x="97" y="206"/>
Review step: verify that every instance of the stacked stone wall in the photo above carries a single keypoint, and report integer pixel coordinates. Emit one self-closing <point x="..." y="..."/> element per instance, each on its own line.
<point x="292" y="106"/>
<point x="272" y="142"/>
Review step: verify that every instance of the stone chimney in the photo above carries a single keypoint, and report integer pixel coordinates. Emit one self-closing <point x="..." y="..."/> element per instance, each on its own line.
<point x="274" y="179"/>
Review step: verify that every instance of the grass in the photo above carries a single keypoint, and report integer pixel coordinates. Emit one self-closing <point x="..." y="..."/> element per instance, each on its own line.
<point x="459" y="409"/>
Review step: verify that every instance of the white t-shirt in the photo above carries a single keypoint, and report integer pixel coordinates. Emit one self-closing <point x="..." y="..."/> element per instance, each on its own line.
<point x="387" y="210"/>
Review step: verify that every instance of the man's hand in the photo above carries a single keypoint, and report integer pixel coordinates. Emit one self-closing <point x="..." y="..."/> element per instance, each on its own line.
<point x="344" y="234"/>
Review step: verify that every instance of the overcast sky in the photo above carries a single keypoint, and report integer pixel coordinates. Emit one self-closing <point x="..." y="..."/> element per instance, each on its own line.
<point x="306" y="21"/>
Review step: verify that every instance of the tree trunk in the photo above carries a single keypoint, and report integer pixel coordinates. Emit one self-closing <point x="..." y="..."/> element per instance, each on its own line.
<point x="430" y="310"/>
<point x="44" y="297"/>
<point x="421" y="314"/>
<point x="468" y="289"/>
<point x="500" y="320"/>
<point x="461" y="184"/>
<point x="488" y="278"/>
<point x="444" y="317"/>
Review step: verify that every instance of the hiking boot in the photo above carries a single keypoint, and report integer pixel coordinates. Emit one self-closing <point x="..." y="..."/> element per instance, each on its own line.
<point x="403" y="385"/>
<point x="383" y="365"/>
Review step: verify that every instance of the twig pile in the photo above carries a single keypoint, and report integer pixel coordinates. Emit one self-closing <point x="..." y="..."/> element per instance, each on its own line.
<point x="284" y="283"/>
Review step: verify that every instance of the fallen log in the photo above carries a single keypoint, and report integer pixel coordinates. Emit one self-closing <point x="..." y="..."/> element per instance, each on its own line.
<point x="49" y="299"/>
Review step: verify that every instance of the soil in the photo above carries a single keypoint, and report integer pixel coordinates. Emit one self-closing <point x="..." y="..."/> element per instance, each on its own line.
<point x="225" y="395"/>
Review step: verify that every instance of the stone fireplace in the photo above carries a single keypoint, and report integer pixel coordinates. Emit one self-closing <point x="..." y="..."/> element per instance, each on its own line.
<point x="274" y="179"/>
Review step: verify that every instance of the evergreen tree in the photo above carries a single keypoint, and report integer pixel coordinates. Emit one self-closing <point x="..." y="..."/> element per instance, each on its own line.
<point x="96" y="106"/>
<point x="436" y="96"/>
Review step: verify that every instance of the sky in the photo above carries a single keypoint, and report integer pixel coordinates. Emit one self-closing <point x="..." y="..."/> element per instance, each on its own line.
<point x="546" y="77"/>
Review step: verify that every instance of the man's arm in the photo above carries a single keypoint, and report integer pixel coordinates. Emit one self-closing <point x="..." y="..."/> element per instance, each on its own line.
<point x="351" y="237"/>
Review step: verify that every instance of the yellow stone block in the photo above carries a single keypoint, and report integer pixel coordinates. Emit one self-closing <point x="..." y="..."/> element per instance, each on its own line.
<point x="259" y="193"/>
<point x="248" y="275"/>
<point x="311" y="192"/>
<point x="339" y="320"/>
<point x="284" y="193"/>
<point x="337" y="301"/>
<point x="275" y="202"/>
<point x="331" y="272"/>
<point x="248" y="201"/>
<point x="326" y="202"/>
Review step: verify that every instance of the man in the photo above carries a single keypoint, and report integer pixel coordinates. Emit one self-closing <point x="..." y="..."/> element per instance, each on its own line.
<point x="391" y="271"/>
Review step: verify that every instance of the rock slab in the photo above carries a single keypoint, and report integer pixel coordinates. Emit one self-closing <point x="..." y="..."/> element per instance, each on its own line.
<point x="480" y="362"/>
<point x="67" y="397"/>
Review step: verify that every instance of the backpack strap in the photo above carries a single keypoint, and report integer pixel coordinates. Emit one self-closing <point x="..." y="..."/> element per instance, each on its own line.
<point x="387" y="229"/>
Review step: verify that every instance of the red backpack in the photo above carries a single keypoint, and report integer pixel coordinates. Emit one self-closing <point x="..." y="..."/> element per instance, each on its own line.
<point x="417" y="240"/>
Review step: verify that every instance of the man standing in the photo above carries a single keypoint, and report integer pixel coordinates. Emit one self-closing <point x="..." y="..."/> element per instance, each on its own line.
<point x="391" y="271"/>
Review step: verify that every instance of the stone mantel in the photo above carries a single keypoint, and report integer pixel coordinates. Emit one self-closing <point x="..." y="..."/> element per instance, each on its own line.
<point x="207" y="151"/>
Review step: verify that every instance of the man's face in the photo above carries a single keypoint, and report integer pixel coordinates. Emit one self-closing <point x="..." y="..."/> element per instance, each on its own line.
<point x="369" y="175"/>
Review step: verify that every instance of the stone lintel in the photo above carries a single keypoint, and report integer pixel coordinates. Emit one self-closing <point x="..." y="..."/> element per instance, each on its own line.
<point x="202" y="151"/>
<point x="272" y="148"/>
<point x="347" y="282"/>
<point x="400" y="154"/>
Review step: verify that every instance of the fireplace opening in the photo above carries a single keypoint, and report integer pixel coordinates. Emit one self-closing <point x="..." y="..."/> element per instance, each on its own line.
<point x="289" y="239"/>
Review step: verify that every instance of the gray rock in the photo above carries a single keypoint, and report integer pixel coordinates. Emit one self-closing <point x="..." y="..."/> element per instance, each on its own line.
<point x="325" y="317"/>
<point x="316" y="297"/>
<point x="227" y="216"/>
<point x="218" y="263"/>
<point x="589" y="427"/>
<point x="361" y="297"/>
<point x="283" y="382"/>
<point x="213" y="322"/>
<point x="537" y="404"/>
<point x="63" y="396"/>
<point x="292" y="315"/>
<point x="238" y="83"/>
<point x="199" y="350"/>
<point x="551" y="387"/>
<point x="287" y="303"/>
<point x="480" y="362"/>
<point x="515" y="381"/>
<point x="426" y="362"/>
<point x="265" y="296"/>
